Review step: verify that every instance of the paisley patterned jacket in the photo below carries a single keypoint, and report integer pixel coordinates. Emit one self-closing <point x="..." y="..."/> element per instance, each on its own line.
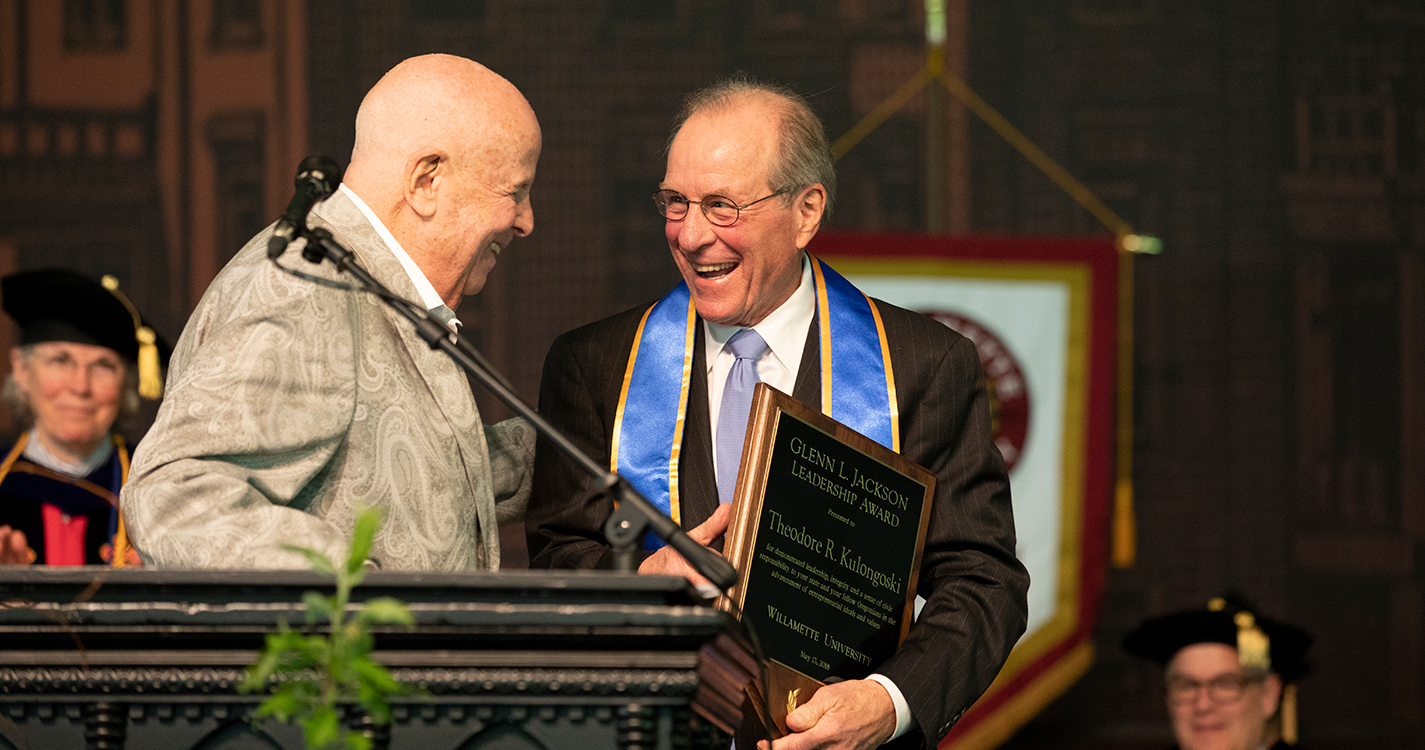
<point x="290" y="405"/>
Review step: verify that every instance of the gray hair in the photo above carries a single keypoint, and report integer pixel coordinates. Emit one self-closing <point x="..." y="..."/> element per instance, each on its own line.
<point x="803" y="153"/>
<point x="23" y="413"/>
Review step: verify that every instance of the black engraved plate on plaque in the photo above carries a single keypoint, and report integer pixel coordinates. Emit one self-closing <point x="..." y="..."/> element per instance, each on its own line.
<point x="830" y="565"/>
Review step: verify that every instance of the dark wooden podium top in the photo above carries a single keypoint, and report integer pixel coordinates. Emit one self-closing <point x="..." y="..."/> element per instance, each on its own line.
<point x="592" y="659"/>
<point x="106" y="608"/>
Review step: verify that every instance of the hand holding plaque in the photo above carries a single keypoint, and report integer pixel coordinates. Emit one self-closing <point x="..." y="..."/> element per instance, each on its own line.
<point x="827" y="532"/>
<point x="667" y="561"/>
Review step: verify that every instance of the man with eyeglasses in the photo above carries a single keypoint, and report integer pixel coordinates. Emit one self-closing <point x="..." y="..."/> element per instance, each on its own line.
<point x="662" y="394"/>
<point x="1230" y="675"/>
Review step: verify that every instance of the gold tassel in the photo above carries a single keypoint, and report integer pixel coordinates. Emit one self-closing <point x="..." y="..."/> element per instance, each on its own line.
<point x="150" y="382"/>
<point x="1125" y="543"/>
<point x="150" y="378"/>
<point x="1125" y="531"/>
<point x="1253" y="647"/>
<point x="120" y="546"/>
<point x="121" y="535"/>
<point x="1289" y="714"/>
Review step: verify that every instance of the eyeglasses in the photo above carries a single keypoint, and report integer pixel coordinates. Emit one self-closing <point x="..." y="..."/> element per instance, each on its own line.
<point x="718" y="210"/>
<point x="103" y="370"/>
<point x="1222" y="689"/>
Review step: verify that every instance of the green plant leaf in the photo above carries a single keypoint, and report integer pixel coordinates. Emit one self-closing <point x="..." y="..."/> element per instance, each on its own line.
<point x="318" y="607"/>
<point x="385" y="609"/>
<point x="319" y="562"/>
<point x="375" y="675"/>
<point x="375" y="704"/>
<point x="282" y="704"/>
<point x="259" y="673"/>
<point x="322" y="728"/>
<point x="309" y="672"/>
<point x="285" y="637"/>
<point x="296" y="660"/>
<point x="354" y="641"/>
<point x="306" y="693"/>
<point x="367" y="522"/>
<point x="317" y="648"/>
<point x="288" y="700"/>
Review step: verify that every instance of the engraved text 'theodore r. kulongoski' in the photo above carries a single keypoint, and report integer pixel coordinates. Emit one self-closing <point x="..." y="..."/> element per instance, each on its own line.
<point x="827" y="533"/>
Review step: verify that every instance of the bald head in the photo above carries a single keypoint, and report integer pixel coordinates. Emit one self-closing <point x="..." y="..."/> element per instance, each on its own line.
<point x="430" y="103"/>
<point x="445" y="155"/>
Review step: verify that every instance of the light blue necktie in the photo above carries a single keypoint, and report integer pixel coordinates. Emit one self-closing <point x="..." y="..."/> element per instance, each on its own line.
<point x="747" y="346"/>
<point x="443" y="314"/>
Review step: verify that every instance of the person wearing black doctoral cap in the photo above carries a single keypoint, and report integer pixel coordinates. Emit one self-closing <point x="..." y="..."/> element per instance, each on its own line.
<point x="85" y="358"/>
<point x="1231" y="675"/>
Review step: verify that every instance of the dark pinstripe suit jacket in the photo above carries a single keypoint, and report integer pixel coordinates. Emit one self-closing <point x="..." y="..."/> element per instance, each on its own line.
<point x="974" y="586"/>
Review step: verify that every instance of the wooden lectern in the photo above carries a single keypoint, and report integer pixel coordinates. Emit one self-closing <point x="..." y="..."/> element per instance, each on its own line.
<point x="130" y="658"/>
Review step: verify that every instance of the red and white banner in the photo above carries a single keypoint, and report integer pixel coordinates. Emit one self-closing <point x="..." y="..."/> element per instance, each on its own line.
<point x="1043" y="313"/>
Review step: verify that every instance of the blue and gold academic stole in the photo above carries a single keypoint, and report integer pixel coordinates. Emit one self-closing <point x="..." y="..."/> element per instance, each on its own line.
<point x="653" y="403"/>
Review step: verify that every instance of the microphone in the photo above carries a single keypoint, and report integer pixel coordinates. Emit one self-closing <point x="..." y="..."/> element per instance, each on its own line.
<point x="317" y="177"/>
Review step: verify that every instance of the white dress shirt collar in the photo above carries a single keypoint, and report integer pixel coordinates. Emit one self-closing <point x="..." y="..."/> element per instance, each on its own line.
<point x="784" y="330"/>
<point x="429" y="297"/>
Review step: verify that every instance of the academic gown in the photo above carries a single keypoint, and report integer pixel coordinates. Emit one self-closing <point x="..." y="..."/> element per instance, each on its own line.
<point x="28" y="487"/>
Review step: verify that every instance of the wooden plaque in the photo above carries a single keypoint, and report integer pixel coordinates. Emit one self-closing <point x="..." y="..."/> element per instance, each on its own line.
<point x="827" y="531"/>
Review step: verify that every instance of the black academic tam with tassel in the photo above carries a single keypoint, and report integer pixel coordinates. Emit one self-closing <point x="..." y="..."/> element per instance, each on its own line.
<point x="60" y="305"/>
<point x="1263" y="645"/>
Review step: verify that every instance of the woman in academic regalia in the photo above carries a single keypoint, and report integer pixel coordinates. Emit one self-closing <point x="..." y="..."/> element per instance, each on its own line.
<point x="1230" y="675"/>
<point x="85" y="358"/>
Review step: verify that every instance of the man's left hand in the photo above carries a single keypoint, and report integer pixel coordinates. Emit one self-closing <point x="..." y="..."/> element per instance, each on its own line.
<point x="666" y="561"/>
<point x="851" y="715"/>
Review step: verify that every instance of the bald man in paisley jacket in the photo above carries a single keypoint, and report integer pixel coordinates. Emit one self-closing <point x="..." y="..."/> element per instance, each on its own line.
<point x="291" y="404"/>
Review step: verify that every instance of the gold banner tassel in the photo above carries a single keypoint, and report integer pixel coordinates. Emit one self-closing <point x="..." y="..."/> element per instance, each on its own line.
<point x="1289" y="714"/>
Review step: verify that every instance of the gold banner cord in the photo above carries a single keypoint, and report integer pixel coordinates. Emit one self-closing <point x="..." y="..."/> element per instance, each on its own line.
<point x="1124" y="531"/>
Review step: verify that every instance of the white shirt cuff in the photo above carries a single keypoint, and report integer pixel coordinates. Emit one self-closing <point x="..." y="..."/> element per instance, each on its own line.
<point x="902" y="708"/>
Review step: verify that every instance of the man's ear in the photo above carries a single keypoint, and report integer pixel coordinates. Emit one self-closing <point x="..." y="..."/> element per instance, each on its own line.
<point x="809" y="207"/>
<point x="424" y="176"/>
<point x="17" y="367"/>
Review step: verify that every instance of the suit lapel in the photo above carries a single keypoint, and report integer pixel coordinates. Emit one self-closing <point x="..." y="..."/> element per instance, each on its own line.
<point x="697" y="482"/>
<point x="442" y="378"/>
<point x="808" y="384"/>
